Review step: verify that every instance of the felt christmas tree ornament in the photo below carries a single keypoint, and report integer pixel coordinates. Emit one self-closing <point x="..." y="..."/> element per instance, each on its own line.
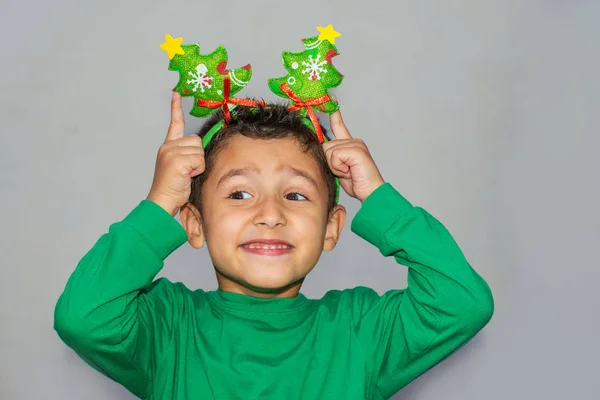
<point x="310" y="74"/>
<point x="206" y="77"/>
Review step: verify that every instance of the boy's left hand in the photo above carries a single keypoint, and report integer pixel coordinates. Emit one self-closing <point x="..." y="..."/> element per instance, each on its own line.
<point x="349" y="159"/>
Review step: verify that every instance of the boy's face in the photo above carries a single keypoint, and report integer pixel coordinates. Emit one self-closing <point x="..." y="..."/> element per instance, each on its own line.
<point x="261" y="191"/>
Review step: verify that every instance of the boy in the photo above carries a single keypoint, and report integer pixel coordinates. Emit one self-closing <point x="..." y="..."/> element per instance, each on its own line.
<point x="261" y="196"/>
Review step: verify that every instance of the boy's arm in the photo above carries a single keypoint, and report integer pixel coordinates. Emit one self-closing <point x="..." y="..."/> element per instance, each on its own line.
<point x="110" y="312"/>
<point x="445" y="304"/>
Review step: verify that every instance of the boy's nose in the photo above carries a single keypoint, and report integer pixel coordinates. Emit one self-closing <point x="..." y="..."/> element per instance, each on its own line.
<point x="270" y="213"/>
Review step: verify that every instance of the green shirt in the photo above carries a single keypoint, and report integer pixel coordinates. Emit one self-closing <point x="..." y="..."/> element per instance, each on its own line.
<point x="162" y="340"/>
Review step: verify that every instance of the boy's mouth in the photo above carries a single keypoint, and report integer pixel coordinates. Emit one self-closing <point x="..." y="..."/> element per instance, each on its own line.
<point x="267" y="247"/>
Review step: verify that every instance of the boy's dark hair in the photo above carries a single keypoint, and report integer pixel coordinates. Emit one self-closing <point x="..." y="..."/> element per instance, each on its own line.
<point x="273" y="121"/>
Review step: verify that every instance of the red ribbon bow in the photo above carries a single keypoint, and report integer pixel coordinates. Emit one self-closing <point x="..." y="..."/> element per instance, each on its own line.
<point x="300" y="104"/>
<point x="228" y="100"/>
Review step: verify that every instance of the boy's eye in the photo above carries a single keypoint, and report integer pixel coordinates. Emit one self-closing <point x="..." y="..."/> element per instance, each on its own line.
<point x="295" y="196"/>
<point x="239" y="195"/>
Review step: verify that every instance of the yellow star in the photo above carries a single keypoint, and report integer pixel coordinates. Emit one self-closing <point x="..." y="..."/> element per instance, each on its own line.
<point x="328" y="33"/>
<point x="172" y="46"/>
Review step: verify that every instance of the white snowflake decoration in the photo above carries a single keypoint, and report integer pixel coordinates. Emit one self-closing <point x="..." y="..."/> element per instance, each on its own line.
<point x="315" y="68"/>
<point x="200" y="79"/>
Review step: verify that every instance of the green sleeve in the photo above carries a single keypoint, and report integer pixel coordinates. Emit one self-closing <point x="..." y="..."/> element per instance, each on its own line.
<point x="111" y="313"/>
<point x="446" y="303"/>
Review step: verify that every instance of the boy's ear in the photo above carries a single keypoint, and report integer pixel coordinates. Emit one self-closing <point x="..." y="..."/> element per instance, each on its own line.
<point x="337" y="218"/>
<point x="192" y="223"/>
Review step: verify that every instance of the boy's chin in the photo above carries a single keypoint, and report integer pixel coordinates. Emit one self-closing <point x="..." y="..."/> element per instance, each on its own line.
<point x="261" y="283"/>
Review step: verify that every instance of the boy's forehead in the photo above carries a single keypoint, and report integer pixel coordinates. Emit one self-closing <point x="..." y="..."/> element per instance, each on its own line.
<point x="284" y="155"/>
<point x="265" y="152"/>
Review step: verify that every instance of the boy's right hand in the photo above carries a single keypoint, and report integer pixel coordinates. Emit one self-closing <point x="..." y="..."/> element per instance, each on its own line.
<point x="179" y="160"/>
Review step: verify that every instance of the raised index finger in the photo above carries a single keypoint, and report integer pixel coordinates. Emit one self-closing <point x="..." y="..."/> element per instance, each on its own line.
<point x="177" y="125"/>
<point x="338" y="127"/>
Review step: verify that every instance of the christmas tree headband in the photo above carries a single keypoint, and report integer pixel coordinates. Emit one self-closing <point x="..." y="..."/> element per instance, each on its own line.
<point x="206" y="78"/>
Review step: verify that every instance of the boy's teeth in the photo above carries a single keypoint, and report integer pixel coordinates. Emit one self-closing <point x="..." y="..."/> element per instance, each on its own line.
<point x="267" y="246"/>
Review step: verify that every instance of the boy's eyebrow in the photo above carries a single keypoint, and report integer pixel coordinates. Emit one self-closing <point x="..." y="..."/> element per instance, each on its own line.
<point x="297" y="172"/>
<point x="253" y="170"/>
<point x="238" y="172"/>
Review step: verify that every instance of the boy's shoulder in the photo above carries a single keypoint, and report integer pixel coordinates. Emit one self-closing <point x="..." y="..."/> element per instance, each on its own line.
<point x="165" y="291"/>
<point x="350" y="294"/>
<point x="358" y="300"/>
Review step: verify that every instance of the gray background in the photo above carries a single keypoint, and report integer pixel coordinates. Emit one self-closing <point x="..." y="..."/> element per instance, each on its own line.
<point x="486" y="113"/>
